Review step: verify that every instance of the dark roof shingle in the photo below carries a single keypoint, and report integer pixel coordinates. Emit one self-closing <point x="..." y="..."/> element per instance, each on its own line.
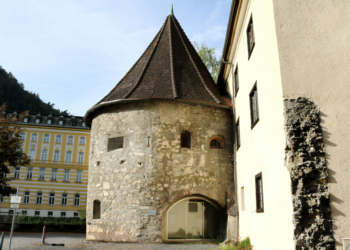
<point x="170" y="68"/>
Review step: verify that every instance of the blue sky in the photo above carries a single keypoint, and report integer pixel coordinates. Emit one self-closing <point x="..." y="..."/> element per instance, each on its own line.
<point x="73" y="52"/>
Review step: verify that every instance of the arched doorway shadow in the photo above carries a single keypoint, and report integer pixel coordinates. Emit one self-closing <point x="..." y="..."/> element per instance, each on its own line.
<point x="193" y="218"/>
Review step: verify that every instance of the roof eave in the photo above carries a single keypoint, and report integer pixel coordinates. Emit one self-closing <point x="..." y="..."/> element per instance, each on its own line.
<point x="102" y="104"/>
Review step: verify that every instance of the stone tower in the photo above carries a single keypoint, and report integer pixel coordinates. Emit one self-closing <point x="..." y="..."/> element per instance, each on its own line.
<point x="161" y="149"/>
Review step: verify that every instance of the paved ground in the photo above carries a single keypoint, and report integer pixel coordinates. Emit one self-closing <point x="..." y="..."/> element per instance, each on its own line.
<point x="31" y="241"/>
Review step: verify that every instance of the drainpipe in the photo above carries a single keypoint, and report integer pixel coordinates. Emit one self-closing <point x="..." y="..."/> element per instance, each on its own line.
<point x="234" y="149"/>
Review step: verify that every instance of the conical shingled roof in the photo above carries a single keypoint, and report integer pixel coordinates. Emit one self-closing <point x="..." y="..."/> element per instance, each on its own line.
<point x="170" y="68"/>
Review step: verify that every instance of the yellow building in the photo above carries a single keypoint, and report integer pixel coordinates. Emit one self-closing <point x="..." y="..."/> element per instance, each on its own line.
<point x="55" y="183"/>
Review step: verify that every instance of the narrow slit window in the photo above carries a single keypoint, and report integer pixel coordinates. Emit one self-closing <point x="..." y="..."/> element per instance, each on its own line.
<point x="259" y="193"/>
<point x="115" y="143"/>
<point x="215" y="143"/>
<point x="254" y="109"/>
<point x="236" y="80"/>
<point x="186" y="139"/>
<point x="96" y="214"/>
<point x="238" y="135"/>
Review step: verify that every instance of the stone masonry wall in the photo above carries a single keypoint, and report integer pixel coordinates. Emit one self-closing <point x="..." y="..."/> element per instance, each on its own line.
<point x="138" y="177"/>
<point x="305" y="159"/>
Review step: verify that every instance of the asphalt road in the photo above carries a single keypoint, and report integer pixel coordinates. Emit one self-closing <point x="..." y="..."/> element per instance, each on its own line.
<point x="32" y="241"/>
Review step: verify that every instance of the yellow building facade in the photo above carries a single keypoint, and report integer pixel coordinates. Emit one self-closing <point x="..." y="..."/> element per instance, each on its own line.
<point x="55" y="183"/>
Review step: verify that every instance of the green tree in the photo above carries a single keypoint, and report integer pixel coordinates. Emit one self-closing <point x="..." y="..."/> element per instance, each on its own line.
<point x="10" y="144"/>
<point x="209" y="58"/>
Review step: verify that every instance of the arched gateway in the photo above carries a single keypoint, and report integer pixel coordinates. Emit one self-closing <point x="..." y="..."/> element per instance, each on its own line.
<point x="140" y="163"/>
<point x="194" y="218"/>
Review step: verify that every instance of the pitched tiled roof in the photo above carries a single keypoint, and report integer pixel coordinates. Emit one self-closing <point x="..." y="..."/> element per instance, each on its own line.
<point x="170" y="68"/>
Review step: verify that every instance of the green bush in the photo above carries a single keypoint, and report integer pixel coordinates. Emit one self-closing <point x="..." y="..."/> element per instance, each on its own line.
<point x="82" y="213"/>
<point x="243" y="245"/>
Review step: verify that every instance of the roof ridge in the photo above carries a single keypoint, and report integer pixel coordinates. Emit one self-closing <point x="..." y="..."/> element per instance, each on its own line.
<point x="194" y="64"/>
<point x="133" y="66"/>
<point x="172" y="63"/>
<point x="147" y="63"/>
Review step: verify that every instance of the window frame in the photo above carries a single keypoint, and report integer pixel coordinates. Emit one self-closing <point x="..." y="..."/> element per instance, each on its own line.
<point x="254" y="94"/>
<point x="236" y="79"/>
<point x="54" y="172"/>
<point x="217" y="139"/>
<point x="37" y="213"/>
<point x="68" y="157"/>
<point x="16" y="172"/>
<point x="63" y="214"/>
<point x="48" y="214"/>
<point x="76" y="200"/>
<point x="259" y="196"/>
<point x="44" y="154"/>
<point x="238" y="134"/>
<point x="185" y="139"/>
<point x="39" y="198"/>
<point x="58" y="139"/>
<point x="41" y="174"/>
<point x="79" y="176"/>
<point x="82" y="140"/>
<point x="26" y="197"/>
<point x="51" y="199"/>
<point x="96" y="210"/>
<point x="34" y="137"/>
<point x="80" y="158"/>
<point x="64" y="199"/>
<point x="70" y="139"/>
<point x="250" y="26"/>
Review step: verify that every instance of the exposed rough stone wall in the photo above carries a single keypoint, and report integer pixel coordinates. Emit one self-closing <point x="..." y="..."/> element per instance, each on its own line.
<point x="305" y="159"/>
<point x="138" y="177"/>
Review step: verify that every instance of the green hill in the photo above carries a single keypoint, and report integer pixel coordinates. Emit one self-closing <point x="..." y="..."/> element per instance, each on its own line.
<point x="18" y="99"/>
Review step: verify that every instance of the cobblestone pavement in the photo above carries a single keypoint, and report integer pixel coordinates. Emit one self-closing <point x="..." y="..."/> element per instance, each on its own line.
<point x="31" y="241"/>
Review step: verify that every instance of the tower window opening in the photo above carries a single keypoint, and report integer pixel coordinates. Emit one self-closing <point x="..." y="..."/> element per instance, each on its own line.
<point x="115" y="143"/>
<point x="186" y="139"/>
<point x="215" y="143"/>
<point x="96" y="213"/>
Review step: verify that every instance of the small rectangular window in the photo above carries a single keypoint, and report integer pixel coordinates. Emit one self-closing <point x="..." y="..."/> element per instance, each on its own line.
<point x="54" y="175"/>
<point x="80" y="158"/>
<point x="250" y="36"/>
<point x="64" y="199"/>
<point x="26" y="197"/>
<point x="68" y="157"/>
<point x="60" y="122"/>
<point x="25" y="120"/>
<point x="238" y="135"/>
<point x="56" y="156"/>
<point x="115" y="143"/>
<point x="24" y="212"/>
<point x="82" y="140"/>
<point x="58" y="138"/>
<point x="49" y="121"/>
<point x="76" y="199"/>
<point x="16" y="172"/>
<point x="49" y="214"/>
<point x="242" y="199"/>
<point x="42" y="174"/>
<point x="34" y="137"/>
<point x="63" y="214"/>
<point x="32" y="154"/>
<point x="46" y="138"/>
<point x="254" y="109"/>
<point x="22" y="136"/>
<point x="39" y="198"/>
<point x="70" y="139"/>
<point x="83" y="124"/>
<point x="66" y="175"/>
<point x="259" y="193"/>
<point x="96" y="211"/>
<point x="37" y="213"/>
<point x="79" y="175"/>
<point x="236" y="80"/>
<point x="52" y="199"/>
<point x="44" y="156"/>
<point x="37" y="120"/>
<point x="76" y="214"/>
<point x="11" y="211"/>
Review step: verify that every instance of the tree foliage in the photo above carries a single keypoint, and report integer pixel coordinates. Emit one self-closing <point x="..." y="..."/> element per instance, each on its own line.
<point x="209" y="58"/>
<point x="10" y="144"/>
<point x="17" y="98"/>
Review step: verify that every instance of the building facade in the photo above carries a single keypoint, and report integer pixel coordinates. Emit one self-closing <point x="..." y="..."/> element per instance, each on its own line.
<point x="55" y="183"/>
<point x="160" y="165"/>
<point x="285" y="69"/>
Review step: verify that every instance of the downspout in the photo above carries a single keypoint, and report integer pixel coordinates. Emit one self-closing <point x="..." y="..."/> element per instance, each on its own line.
<point x="234" y="149"/>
